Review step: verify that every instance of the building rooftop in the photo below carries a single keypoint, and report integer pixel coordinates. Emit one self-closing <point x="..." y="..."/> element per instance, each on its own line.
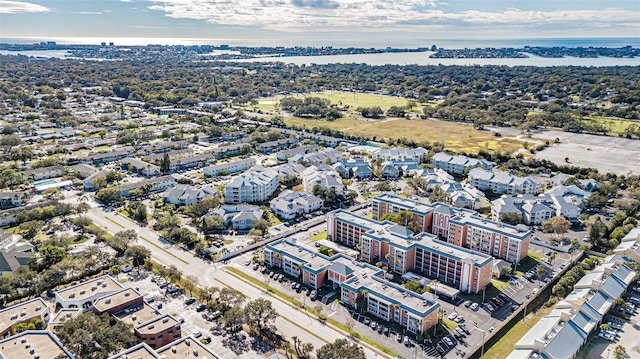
<point x="116" y="299"/>
<point x="140" y="351"/>
<point x="90" y="288"/>
<point x="21" y="312"/>
<point x="185" y="348"/>
<point x="138" y="315"/>
<point x="433" y="244"/>
<point x="63" y="315"/>
<point x="156" y="325"/>
<point x="40" y="344"/>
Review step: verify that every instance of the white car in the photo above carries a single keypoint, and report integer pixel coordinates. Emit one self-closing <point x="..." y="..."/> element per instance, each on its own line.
<point x="474" y="306"/>
<point x="452" y="316"/>
<point x="448" y="341"/>
<point x="126" y="268"/>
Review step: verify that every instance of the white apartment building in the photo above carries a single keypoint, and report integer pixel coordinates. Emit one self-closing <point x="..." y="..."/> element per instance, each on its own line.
<point x="255" y="185"/>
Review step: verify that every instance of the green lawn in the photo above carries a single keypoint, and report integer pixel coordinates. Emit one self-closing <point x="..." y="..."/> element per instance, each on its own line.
<point x="532" y="260"/>
<point x="319" y="236"/>
<point x="616" y="126"/>
<point x="499" y="285"/>
<point x="503" y="347"/>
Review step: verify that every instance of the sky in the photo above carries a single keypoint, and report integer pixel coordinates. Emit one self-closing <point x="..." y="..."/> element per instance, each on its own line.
<point x="326" y="22"/>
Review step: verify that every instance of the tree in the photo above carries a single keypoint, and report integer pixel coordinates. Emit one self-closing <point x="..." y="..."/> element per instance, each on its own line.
<point x="259" y="313"/>
<point x="233" y="319"/>
<point x="95" y="336"/>
<point x="120" y="240"/>
<point x="30" y="229"/>
<point x="190" y="283"/>
<point x="108" y="195"/>
<point x="340" y="349"/>
<point x="47" y="256"/>
<point x="138" y="255"/>
<point x="558" y="225"/>
<point x="604" y="327"/>
<point x="261" y="225"/>
<point x="231" y="297"/>
<point x="174" y="273"/>
<point x="165" y="163"/>
<point x="540" y="270"/>
<point x="504" y="271"/>
<point x="511" y="218"/>
<point x="620" y="352"/>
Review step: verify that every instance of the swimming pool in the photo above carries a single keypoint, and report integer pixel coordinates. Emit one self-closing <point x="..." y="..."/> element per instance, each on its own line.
<point x="44" y="182"/>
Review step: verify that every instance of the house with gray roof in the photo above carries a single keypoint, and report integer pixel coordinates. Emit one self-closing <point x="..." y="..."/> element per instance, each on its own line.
<point x="290" y="204"/>
<point x="324" y="176"/>
<point x="187" y="195"/>
<point x="229" y="167"/>
<point x="500" y="182"/>
<point x="458" y="164"/>
<point x="354" y="167"/>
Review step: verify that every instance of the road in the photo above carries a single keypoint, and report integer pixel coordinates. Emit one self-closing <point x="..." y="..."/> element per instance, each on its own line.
<point x="291" y="321"/>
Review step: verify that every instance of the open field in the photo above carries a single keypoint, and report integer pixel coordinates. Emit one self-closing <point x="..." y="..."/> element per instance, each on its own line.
<point x="614" y="125"/>
<point x="351" y="99"/>
<point x="504" y="347"/>
<point x="458" y="136"/>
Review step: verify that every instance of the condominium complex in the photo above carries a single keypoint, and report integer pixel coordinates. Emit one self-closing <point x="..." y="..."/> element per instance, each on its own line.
<point x="458" y="164"/>
<point x="462" y="227"/>
<point x="255" y="185"/>
<point x="361" y="284"/>
<point x="397" y="248"/>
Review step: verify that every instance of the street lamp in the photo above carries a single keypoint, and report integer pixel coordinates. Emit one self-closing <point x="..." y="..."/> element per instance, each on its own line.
<point x="484" y="333"/>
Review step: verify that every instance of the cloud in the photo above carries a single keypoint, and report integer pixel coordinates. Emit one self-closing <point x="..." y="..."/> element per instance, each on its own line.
<point x="376" y="15"/>
<point x="318" y="4"/>
<point x="18" y="7"/>
<point x="88" y="13"/>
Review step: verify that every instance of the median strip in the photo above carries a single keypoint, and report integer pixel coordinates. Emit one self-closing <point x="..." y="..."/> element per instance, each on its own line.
<point x="164" y="250"/>
<point x="114" y="222"/>
<point x="296" y="304"/>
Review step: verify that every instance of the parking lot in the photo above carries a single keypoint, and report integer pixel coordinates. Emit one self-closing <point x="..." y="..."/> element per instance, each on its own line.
<point x="228" y="346"/>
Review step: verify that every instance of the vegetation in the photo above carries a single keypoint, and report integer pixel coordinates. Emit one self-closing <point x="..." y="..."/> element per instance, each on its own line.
<point x="95" y="336"/>
<point x="341" y="348"/>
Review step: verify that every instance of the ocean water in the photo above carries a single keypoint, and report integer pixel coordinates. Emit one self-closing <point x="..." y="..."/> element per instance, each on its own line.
<point x="343" y="42"/>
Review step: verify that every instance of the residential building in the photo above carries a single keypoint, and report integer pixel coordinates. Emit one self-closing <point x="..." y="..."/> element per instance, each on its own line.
<point x="356" y="168"/>
<point x="255" y="185"/>
<point x="462" y="227"/>
<point x="283" y="155"/>
<point x="36" y="309"/>
<point x="8" y="216"/>
<point x="535" y="209"/>
<point x="500" y="182"/>
<point x="458" y="164"/>
<point x="112" y="156"/>
<point x="229" y="167"/>
<point x="155" y="184"/>
<point x="401" y="154"/>
<point x="326" y="156"/>
<point x="361" y="284"/>
<point x="186" y="195"/>
<point x="83" y="170"/>
<point x="271" y="146"/>
<point x="9" y="199"/>
<point x="90" y="183"/>
<point x="11" y="260"/>
<point x="239" y="217"/>
<point x="290" y="204"/>
<point x="323" y="176"/>
<point x="186" y="162"/>
<point x="138" y="166"/>
<point x="40" y="173"/>
<point x="82" y="295"/>
<point x="563" y="332"/>
<point x="232" y="150"/>
<point x="41" y="344"/>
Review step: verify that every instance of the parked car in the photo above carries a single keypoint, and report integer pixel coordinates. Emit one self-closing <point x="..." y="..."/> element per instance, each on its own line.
<point x="201" y="308"/>
<point x="247" y="262"/>
<point x="467" y="303"/>
<point x="474" y="306"/>
<point x="399" y="337"/>
<point x="374" y="325"/>
<point x="189" y="300"/>
<point x="406" y="341"/>
<point x="314" y="294"/>
<point x="126" y="268"/>
<point x="172" y="288"/>
<point x="256" y="266"/>
<point x="448" y="341"/>
<point x="452" y="316"/>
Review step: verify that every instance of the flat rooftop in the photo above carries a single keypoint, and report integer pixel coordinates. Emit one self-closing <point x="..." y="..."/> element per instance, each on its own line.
<point x="157" y="325"/>
<point x="489" y="225"/>
<point x="116" y="299"/>
<point x="140" y="351"/>
<point x="90" y="288"/>
<point x="63" y="315"/>
<point x="357" y="220"/>
<point x="187" y="347"/>
<point x="431" y="243"/>
<point x="138" y="315"/>
<point x="22" y="311"/>
<point x="43" y="343"/>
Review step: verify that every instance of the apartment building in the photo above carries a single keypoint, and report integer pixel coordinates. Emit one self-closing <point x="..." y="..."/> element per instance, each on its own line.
<point x="458" y="164"/>
<point x="34" y="309"/>
<point x="136" y="165"/>
<point x="268" y="147"/>
<point x="229" y="167"/>
<point x="400" y="154"/>
<point x="255" y="185"/>
<point x="361" y="284"/>
<point x="290" y="204"/>
<point x="324" y="176"/>
<point x="36" y="174"/>
<point x="461" y="227"/>
<point x="148" y="185"/>
<point x="500" y="182"/>
<point x="401" y="251"/>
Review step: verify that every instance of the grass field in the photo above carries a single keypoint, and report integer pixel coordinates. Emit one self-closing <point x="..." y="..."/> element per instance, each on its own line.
<point x="319" y="236"/>
<point x="614" y="125"/>
<point x="504" y="346"/>
<point x="351" y="99"/>
<point x="458" y="136"/>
